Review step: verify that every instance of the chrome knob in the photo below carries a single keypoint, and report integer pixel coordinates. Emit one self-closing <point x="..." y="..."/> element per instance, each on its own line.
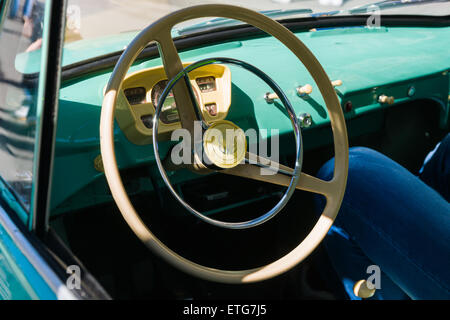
<point x="305" y="120"/>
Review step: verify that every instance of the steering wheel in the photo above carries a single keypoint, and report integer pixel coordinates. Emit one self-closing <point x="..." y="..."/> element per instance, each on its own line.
<point x="333" y="190"/>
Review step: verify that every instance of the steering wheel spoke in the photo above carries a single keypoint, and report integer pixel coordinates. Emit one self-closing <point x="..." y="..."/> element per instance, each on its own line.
<point x="263" y="169"/>
<point x="183" y="93"/>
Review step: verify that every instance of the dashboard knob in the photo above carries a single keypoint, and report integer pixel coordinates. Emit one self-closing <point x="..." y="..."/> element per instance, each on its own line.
<point x="303" y="90"/>
<point x="386" y="99"/>
<point x="336" y="83"/>
<point x="305" y="120"/>
<point x="270" y="96"/>
<point x="360" y="289"/>
<point x="98" y="164"/>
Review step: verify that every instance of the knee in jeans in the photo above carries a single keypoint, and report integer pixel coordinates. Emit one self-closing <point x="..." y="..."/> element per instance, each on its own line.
<point x="357" y="157"/>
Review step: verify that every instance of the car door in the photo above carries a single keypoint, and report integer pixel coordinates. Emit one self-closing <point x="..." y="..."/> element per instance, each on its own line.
<point x="30" y="52"/>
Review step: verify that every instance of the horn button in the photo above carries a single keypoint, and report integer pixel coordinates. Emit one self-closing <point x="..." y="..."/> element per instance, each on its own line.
<point x="224" y="144"/>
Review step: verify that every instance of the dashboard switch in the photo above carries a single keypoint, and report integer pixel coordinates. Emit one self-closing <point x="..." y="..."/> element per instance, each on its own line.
<point x="336" y="83"/>
<point x="270" y="96"/>
<point x="304" y="90"/>
<point x="385" y="99"/>
<point x="98" y="164"/>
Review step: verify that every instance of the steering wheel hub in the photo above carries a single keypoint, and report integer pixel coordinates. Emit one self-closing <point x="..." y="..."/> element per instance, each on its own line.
<point x="224" y="144"/>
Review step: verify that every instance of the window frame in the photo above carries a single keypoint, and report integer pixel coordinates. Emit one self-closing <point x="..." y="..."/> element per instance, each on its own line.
<point x="47" y="114"/>
<point x="36" y="219"/>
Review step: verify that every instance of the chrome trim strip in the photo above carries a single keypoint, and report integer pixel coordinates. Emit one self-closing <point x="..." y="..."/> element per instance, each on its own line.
<point x="39" y="264"/>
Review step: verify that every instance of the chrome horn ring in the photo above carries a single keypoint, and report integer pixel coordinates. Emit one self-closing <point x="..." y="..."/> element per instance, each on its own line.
<point x="294" y="120"/>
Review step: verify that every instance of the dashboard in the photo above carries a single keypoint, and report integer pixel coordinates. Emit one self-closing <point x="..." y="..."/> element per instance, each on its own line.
<point x="141" y="92"/>
<point x="377" y="69"/>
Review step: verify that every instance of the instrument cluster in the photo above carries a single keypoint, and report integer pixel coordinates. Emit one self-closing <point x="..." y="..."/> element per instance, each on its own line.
<point x="142" y="91"/>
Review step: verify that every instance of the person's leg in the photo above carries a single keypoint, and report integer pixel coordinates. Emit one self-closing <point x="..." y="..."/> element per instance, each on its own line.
<point x="436" y="170"/>
<point x="394" y="220"/>
<point x="27" y="8"/>
<point x="350" y="265"/>
<point x="14" y="7"/>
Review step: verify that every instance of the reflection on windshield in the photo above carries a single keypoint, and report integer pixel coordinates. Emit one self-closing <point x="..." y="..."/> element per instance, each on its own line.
<point x="91" y="19"/>
<point x="21" y="32"/>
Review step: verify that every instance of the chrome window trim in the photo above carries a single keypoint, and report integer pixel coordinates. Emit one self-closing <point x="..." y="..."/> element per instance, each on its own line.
<point x="38" y="263"/>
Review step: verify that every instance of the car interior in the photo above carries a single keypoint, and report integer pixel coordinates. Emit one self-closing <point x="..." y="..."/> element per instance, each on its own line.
<point x="326" y="77"/>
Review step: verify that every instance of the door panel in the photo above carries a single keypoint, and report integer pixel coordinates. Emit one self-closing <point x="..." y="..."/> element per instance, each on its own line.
<point x="19" y="279"/>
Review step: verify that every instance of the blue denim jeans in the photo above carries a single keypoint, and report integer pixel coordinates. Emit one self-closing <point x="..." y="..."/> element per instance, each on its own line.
<point x="27" y="8"/>
<point x="14" y="7"/>
<point x="395" y="220"/>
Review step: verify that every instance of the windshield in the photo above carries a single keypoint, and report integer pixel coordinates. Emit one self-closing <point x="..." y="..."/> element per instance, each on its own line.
<point x="91" y="19"/>
<point x="102" y="27"/>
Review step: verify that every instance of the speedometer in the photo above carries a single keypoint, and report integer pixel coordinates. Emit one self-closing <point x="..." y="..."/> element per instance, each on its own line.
<point x="169" y="112"/>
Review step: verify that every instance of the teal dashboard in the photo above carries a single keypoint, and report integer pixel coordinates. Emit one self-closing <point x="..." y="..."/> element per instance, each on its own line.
<point x="372" y="69"/>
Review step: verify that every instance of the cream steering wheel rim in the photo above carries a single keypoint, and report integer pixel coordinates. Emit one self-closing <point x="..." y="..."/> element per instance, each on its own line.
<point x="333" y="190"/>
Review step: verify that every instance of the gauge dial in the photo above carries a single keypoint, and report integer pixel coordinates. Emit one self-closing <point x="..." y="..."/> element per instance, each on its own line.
<point x="136" y="95"/>
<point x="169" y="113"/>
<point x="206" y="84"/>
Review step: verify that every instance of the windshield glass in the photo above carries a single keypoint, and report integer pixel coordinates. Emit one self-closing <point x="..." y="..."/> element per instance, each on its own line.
<point x="90" y="19"/>
<point x="103" y="27"/>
